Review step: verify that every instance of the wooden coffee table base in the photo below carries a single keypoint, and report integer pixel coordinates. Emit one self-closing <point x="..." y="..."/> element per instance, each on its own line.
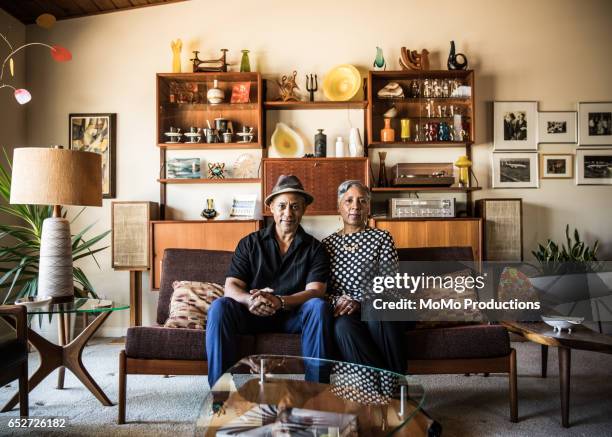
<point x="53" y="356"/>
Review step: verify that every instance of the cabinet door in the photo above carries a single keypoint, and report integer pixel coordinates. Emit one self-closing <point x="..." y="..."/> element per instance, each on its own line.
<point x="195" y="235"/>
<point x="320" y="178"/>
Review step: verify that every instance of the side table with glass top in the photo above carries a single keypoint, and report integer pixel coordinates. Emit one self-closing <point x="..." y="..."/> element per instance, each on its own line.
<point x="289" y="395"/>
<point x="68" y="354"/>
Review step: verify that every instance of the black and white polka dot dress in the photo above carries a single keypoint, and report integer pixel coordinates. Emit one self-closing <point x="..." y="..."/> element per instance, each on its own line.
<point x="357" y="258"/>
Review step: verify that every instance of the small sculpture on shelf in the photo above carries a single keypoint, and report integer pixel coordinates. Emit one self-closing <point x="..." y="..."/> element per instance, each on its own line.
<point x="215" y="95"/>
<point x="216" y="170"/>
<point x="312" y="86"/>
<point x="379" y="60"/>
<point x="286" y="86"/>
<point x="209" y="212"/>
<point x="456" y="61"/>
<point x="390" y="91"/>
<point x="412" y="60"/>
<point x="176" y="46"/>
<point x="209" y="64"/>
<point x="382" y="170"/>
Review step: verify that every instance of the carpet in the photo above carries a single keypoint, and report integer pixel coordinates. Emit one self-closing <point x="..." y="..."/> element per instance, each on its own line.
<point x="465" y="406"/>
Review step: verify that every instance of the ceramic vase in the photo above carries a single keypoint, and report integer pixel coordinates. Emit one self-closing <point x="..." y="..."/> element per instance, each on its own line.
<point x="387" y="134"/>
<point x="245" y="65"/>
<point x="320" y="141"/>
<point x="340" y="148"/>
<point x="382" y="170"/>
<point x="405" y="129"/>
<point x="355" y="144"/>
<point x="215" y="95"/>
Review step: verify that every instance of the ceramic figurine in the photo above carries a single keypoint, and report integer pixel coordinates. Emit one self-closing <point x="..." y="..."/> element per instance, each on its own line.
<point x="433" y="131"/>
<point x="426" y="89"/>
<point x="415" y="90"/>
<point x="456" y="61"/>
<point x="210" y="64"/>
<point x="215" y="95"/>
<point x="379" y="60"/>
<point x="391" y="112"/>
<point x="312" y="86"/>
<point x="391" y="90"/>
<point x="320" y="144"/>
<point x="176" y="55"/>
<point x="215" y="170"/>
<point x="209" y="212"/>
<point x="286" y="86"/>
<point x="245" y="65"/>
<point x="412" y="60"/>
<point x="417" y="132"/>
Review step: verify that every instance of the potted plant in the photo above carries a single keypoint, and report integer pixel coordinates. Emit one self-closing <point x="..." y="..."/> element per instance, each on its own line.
<point x="20" y="246"/>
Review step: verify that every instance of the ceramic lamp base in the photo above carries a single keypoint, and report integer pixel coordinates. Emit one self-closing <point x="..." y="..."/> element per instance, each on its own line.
<point x="55" y="265"/>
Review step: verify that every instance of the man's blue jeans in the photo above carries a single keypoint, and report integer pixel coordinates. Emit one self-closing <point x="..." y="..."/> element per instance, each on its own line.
<point x="227" y="319"/>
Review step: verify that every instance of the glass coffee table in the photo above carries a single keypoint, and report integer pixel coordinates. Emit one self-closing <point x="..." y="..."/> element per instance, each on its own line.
<point x="68" y="353"/>
<point x="276" y="395"/>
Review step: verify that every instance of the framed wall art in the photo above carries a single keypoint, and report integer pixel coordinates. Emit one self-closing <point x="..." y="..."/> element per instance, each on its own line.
<point x="594" y="166"/>
<point x="595" y="124"/>
<point x="515" y="125"/>
<point x="96" y="133"/>
<point x="557" y="127"/>
<point x="515" y="170"/>
<point x="556" y="166"/>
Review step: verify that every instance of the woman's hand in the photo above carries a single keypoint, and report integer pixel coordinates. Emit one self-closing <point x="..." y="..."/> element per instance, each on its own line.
<point x="345" y="305"/>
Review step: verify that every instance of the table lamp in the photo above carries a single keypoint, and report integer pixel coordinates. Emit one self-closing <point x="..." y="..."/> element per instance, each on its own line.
<point x="56" y="176"/>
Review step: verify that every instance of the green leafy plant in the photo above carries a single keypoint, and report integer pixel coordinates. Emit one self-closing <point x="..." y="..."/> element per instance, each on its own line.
<point x="570" y="257"/>
<point x="19" y="257"/>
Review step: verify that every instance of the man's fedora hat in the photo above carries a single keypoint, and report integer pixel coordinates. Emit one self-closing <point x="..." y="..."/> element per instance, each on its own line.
<point x="288" y="184"/>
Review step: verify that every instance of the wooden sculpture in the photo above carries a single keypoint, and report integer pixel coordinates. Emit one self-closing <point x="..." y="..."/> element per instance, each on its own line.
<point x="210" y="64"/>
<point x="412" y="60"/>
<point x="286" y="86"/>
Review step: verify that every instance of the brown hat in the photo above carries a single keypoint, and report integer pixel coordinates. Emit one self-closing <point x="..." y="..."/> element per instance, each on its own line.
<point x="288" y="184"/>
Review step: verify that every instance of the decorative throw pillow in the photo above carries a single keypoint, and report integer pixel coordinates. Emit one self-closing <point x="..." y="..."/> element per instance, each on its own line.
<point x="190" y="303"/>
<point x="446" y="317"/>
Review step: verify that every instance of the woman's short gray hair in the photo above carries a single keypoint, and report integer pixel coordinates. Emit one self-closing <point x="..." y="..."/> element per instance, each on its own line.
<point x="346" y="185"/>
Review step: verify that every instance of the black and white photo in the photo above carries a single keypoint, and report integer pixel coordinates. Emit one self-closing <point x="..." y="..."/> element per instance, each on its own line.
<point x="594" y="167"/>
<point x="515" y="170"/>
<point x="515" y="125"/>
<point x="557" y="127"/>
<point x="556" y="166"/>
<point x="595" y="123"/>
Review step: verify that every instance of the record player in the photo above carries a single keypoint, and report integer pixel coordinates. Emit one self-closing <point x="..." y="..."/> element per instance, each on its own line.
<point x="423" y="175"/>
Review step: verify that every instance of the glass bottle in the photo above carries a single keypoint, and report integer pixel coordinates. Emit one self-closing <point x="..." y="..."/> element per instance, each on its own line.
<point x="405" y="131"/>
<point x="382" y="170"/>
<point x="245" y="65"/>
<point x="387" y="134"/>
<point x="320" y="141"/>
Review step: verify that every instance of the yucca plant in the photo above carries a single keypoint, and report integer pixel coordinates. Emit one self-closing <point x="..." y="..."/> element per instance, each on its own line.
<point x="572" y="257"/>
<point x="19" y="257"/>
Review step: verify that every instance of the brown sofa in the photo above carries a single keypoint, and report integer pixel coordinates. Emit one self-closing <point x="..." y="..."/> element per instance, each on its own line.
<point x="169" y="351"/>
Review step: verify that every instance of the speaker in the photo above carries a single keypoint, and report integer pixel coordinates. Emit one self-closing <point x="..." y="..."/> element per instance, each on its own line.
<point x="130" y="234"/>
<point x="503" y="228"/>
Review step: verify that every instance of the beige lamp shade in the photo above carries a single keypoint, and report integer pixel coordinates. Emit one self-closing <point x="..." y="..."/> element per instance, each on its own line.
<point x="55" y="176"/>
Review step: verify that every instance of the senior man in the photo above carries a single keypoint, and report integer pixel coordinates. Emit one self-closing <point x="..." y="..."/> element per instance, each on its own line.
<point x="276" y="283"/>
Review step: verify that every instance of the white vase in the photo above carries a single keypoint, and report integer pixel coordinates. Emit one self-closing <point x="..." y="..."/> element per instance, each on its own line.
<point x="340" y="148"/>
<point x="355" y="144"/>
<point x="215" y="95"/>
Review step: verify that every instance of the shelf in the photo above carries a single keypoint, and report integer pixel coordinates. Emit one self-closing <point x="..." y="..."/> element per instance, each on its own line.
<point x="202" y="146"/>
<point x="211" y="181"/>
<point x="419" y="144"/>
<point x="360" y="104"/>
<point x="438" y="189"/>
<point x="421" y="100"/>
<point x="208" y="106"/>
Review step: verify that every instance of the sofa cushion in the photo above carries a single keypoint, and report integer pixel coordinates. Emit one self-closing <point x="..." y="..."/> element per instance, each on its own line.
<point x="189" y="265"/>
<point x="476" y="341"/>
<point x="190" y="303"/>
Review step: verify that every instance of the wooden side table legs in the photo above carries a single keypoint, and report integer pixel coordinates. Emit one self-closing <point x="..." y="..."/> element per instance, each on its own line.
<point x="544" y="360"/>
<point x="565" y="359"/>
<point x="53" y="356"/>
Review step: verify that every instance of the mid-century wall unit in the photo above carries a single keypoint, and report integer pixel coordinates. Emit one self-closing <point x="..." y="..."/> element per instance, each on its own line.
<point x="181" y="102"/>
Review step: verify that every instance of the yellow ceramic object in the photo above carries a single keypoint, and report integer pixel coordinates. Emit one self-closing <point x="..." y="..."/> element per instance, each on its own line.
<point x="341" y="83"/>
<point x="464" y="165"/>
<point x="286" y="143"/>
<point x="176" y="55"/>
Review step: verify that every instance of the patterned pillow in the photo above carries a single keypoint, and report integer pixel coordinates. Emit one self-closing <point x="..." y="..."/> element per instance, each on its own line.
<point x="430" y="318"/>
<point x="190" y="303"/>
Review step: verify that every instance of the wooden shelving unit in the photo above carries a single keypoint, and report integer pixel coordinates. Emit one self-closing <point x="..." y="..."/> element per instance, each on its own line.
<point x="210" y="181"/>
<point x="430" y="189"/>
<point x="418" y="144"/>
<point x="205" y="146"/>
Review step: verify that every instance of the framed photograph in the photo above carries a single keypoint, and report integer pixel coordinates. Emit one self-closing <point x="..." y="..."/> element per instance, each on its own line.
<point x="515" y="125"/>
<point x="556" y="166"/>
<point x="595" y="123"/>
<point x="96" y="133"/>
<point x="557" y="127"/>
<point x="594" y="167"/>
<point x="515" y="170"/>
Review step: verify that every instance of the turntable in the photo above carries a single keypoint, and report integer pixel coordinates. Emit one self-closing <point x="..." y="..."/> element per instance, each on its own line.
<point x="423" y="175"/>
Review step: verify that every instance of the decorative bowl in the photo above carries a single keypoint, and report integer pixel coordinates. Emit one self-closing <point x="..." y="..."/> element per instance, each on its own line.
<point x="562" y="322"/>
<point x="33" y="302"/>
<point x="341" y="83"/>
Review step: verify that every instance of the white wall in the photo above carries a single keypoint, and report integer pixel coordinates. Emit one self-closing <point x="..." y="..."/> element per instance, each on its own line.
<point x="552" y="51"/>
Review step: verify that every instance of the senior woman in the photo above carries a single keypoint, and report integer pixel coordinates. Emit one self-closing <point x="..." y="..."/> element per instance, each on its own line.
<point x="358" y="253"/>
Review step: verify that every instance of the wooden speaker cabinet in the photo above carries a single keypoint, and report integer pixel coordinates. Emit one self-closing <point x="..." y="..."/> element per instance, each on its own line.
<point x="503" y="228"/>
<point x="130" y="234"/>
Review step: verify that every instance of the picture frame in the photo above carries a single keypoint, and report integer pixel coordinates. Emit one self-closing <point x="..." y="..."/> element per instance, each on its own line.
<point x="515" y="170"/>
<point x="595" y="123"/>
<point x="515" y="126"/>
<point x="557" y="127"/>
<point x="97" y="133"/>
<point x="593" y="166"/>
<point x="556" y="166"/>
